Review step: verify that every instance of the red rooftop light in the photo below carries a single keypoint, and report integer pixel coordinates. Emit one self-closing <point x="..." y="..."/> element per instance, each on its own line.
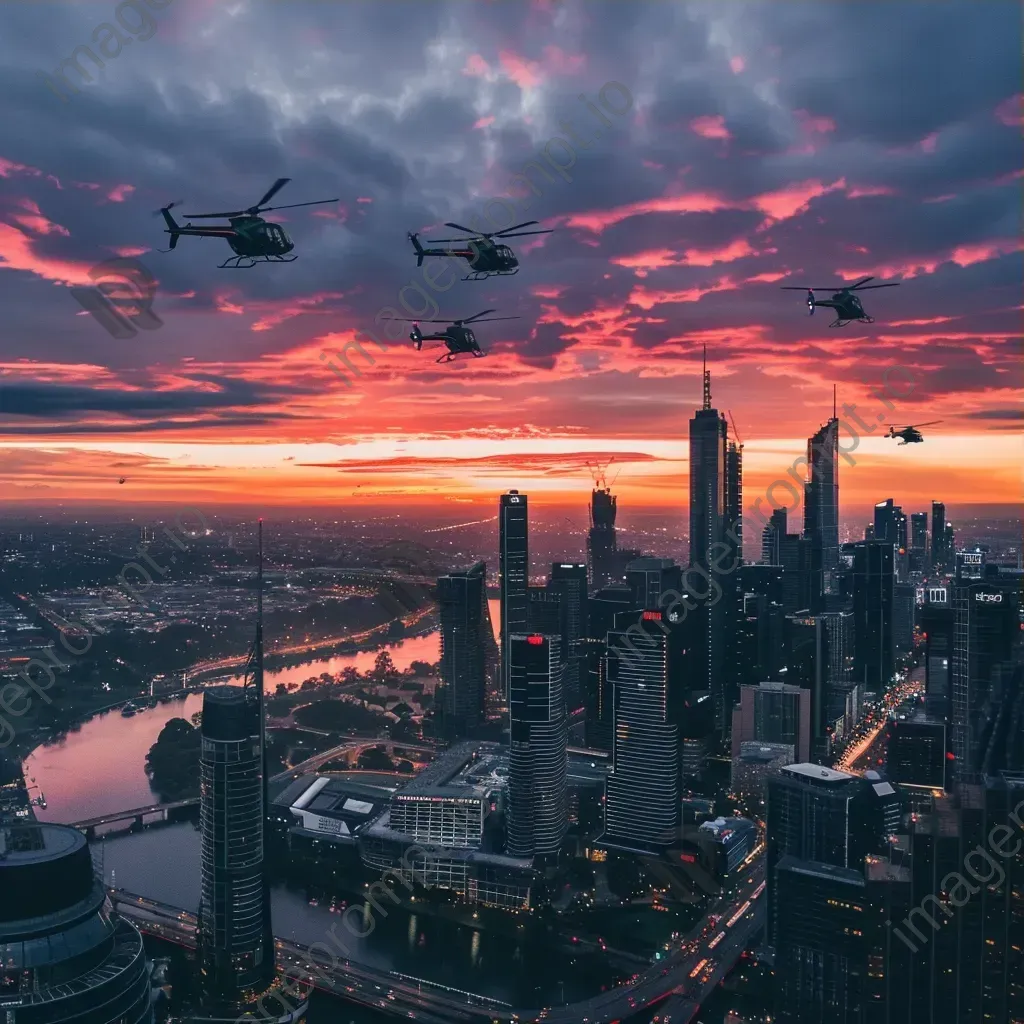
<point x="535" y="640"/>
<point x="651" y="616"/>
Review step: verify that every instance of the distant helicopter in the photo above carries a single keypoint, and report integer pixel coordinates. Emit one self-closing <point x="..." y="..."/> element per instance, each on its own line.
<point x="843" y="301"/>
<point x="457" y="337"/>
<point x="484" y="257"/>
<point x="912" y="434"/>
<point x="250" y="236"/>
<point x="121" y="480"/>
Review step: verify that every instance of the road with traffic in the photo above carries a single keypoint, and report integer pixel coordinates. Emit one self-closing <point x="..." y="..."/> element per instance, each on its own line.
<point x="683" y="978"/>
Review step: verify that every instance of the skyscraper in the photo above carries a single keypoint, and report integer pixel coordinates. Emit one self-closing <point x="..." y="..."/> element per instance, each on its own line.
<point x="773" y="712"/>
<point x="650" y="578"/>
<point x="462" y="598"/>
<point x="602" y="608"/>
<point x="235" y="938"/>
<point x="919" y="531"/>
<point x="821" y="508"/>
<point x="815" y="814"/>
<point x="642" y="800"/>
<point x="771" y="537"/>
<point x="986" y="642"/>
<point x="942" y="547"/>
<point x="808" y="663"/>
<point x="538" y="818"/>
<point x="708" y="506"/>
<point x="513" y="573"/>
<point x="873" y="587"/>
<point x="891" y="526"/>
<point x="601" y="539"/>
<point x="569" y="580"/>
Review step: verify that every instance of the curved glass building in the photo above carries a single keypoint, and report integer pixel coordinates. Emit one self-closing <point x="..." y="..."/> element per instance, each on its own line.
<point x="64" y="954"/>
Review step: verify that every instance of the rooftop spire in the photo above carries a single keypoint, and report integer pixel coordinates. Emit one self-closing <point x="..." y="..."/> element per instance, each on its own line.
<point x="834" y="393"/>
<point x="707" y="381"/>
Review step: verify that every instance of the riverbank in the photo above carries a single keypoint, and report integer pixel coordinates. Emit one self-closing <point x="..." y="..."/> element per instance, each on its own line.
<point x="328" y="656"/>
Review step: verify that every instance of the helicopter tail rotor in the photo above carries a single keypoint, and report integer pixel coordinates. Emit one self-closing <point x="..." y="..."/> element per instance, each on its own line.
<point x="419" y="249"/>
<point x="172" y="225"/>
<point x="810" y="303"/>
<point x="416" y="335"/>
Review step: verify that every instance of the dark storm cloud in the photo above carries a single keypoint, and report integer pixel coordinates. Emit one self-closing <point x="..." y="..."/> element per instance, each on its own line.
<point x="379" y="101"/>
<point x="62" y="400"/>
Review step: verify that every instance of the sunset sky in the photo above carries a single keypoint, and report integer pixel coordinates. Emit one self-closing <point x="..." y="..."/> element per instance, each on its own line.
<point x="766" y="144"/>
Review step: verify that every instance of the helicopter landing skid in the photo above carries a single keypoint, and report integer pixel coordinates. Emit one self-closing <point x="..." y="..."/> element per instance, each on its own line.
<point x="235" y="262"/>
<point x="482" y="275"/>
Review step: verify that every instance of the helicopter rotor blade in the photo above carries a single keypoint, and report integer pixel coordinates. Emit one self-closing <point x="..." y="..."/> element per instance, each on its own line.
<point x="470" y="319"/>
<point x="207" y="216"/>
<point x="807" y="288"/>
<point x="930" y="424"/>
<point x="414" y="320"/>
<point x="522" y="234"/>
<point x="291" y="206"/>
<point x="857" y="284"/>
<point x="516" y="227"/>
<point x="491" y="319"/>
<point x="271" y="192"/>
<point x="462" y="227"/>
<point x="435" y="241"/>
<point x="868" y="287"/>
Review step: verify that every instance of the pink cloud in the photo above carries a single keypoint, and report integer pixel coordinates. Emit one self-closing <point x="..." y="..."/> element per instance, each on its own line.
<point x="483" y="122"/>
<point x="929" y="142"/>
<point x="813" y="123"/>
<point x="558" y="62"/>
<point x="525" y="73"/>
<point x="119" y="193"/>
<point x="737" y="64"/>
<point x="476" y="66"/>
<point x="863" y="191"/>
<point x="793" y="199"/>
<point x="16" y="253"/>
<point x="710" y="127"/>
<point x="363" y="199"/>
<point x="33" y="220"/>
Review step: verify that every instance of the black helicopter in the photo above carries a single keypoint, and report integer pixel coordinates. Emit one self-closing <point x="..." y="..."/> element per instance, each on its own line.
<point x="486" y="258"/>
<point x="847" y="305"/>
<point x="250" y="236"/>
<point x="457" y="337"/>
<point x="912" y="434"/>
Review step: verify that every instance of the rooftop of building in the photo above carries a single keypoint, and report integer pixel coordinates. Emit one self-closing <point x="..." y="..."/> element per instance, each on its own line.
<point x="879" y="869"/>
<point x="815" y="869"/>
<point x="817" y="773"/>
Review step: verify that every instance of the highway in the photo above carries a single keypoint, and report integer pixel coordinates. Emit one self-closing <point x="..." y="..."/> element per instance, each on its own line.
<point x="877" y="718"/>
<point x="682" y="979"/>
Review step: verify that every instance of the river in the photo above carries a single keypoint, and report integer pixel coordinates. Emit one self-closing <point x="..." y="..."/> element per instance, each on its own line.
<point x="98" y="768"/>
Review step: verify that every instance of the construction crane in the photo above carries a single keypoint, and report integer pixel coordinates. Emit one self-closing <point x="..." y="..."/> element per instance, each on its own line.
<point x="739" y="443"/>
<point x="598" y="471"/>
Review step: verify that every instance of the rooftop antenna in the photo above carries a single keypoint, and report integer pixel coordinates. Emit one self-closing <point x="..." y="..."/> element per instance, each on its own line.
<point x="707" y="381"/>
<point x="834" y="392"/>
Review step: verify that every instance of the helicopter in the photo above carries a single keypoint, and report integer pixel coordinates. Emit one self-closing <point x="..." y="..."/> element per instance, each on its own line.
<point x="457" y="337"/>
<point x="251" y="238"/>
<point x="847" y="305"/>
<point x="486" y="258"/>
<point x="911" y="434"/>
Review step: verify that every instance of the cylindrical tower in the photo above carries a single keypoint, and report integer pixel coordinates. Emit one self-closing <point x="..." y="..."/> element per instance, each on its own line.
<point x="236" y="941"/>
<point x="64" y="954"/>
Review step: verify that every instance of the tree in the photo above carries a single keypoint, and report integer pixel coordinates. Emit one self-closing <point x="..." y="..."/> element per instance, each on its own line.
<point x="350" y="674"/>
<point x="376" y="759"/>
<point x="421" y="668"/>
<point x="384" y="667"/>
